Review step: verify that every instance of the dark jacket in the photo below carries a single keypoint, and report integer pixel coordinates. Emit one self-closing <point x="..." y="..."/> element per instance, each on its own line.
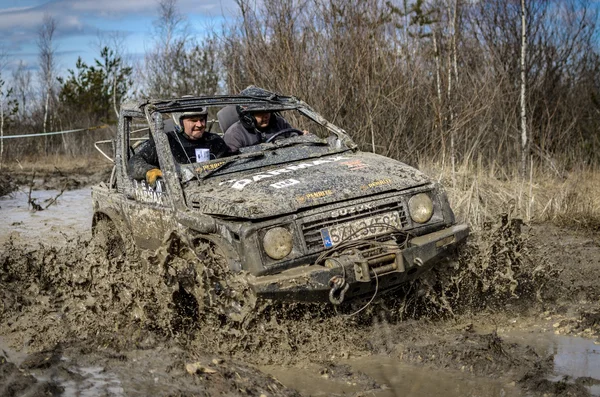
<point x="237" y="136"/>
<point x="182" y="148"/>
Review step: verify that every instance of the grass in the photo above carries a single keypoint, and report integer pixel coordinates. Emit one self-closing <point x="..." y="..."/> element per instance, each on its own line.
<point x="480" y="193"/>
<point x="56" y="163"/>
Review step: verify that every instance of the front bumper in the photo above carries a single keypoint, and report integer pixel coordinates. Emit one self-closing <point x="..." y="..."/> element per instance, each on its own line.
<point x="362" y="271"/>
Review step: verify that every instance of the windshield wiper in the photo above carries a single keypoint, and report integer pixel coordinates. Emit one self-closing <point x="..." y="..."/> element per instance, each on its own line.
<point x="294" y="143"/>
<point x="243" y="156"/>
<point x="306" y="140"/>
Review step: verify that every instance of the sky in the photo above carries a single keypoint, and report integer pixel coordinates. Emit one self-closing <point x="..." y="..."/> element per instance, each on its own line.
<point x="80" y="24"/>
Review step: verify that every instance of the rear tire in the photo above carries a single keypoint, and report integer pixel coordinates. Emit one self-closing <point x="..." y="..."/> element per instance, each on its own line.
<point x="115" y="273"/>
<point x="107" y="238"/>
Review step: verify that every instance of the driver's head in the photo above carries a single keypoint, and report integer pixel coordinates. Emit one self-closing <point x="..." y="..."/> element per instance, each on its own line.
<point x="192" y="123"/>
<point x="261" y="119"/>
<point x="254" y="116"/>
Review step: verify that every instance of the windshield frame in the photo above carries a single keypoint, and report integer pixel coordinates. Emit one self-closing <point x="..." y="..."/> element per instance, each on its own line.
<point x="155" y="110"/>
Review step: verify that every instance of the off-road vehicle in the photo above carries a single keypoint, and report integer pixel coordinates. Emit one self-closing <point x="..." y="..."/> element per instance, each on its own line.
<point x="306" y="217"/>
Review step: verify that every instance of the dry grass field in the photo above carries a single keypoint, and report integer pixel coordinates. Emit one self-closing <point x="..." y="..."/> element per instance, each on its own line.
<point x="478" y="194"/>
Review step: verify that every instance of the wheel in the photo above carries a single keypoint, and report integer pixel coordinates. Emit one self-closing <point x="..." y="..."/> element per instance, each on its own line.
<point x="113" y="273"/>
<point x="172" y="269"/>
<point x="288" y="132"/>
<point x="115" y="244"/>
<point x="201" y="286"/>
<point x="225" y="292"/>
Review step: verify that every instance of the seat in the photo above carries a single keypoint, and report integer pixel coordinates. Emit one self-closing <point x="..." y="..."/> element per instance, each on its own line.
<point x="169" y="125"/>
<point x="227" y="116"/>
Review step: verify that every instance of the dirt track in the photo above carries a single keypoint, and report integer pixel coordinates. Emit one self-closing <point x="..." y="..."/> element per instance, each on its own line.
<point x="74" y="322"/>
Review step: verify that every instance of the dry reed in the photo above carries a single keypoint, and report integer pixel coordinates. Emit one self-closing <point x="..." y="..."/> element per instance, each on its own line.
<point x="482" y="192"/>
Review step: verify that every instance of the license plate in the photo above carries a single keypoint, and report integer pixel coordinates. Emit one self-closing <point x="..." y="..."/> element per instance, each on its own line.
<point x="362" y="228"/>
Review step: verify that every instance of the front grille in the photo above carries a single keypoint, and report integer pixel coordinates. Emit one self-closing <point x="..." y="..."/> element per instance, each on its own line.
<point x="311" y="226"/>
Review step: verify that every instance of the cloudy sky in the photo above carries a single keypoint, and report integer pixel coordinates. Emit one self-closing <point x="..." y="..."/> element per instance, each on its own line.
<point x="80" y="23"/>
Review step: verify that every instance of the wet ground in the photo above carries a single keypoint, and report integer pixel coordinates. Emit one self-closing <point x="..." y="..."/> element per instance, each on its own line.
<point x="61" y="221"/>
<point x="517" y="315"/>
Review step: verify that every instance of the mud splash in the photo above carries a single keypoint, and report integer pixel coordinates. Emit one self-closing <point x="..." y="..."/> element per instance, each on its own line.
<point x="119" y="312"/>
<point x="185" y="291"/>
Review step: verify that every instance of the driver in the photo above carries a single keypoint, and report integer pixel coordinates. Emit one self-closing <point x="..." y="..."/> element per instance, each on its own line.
<point x="256" y="125"/>
<point x="190" y="134"/>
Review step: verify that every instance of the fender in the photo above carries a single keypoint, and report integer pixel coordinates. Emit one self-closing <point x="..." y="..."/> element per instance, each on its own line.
<point x="222" y="245"/>
<point x="115" y="218"/>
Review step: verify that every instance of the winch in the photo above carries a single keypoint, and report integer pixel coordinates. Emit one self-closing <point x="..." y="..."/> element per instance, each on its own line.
<point x="367" y="264"/>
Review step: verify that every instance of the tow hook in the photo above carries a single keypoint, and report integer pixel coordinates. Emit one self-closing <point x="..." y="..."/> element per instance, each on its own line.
<point x="339" y="286"/>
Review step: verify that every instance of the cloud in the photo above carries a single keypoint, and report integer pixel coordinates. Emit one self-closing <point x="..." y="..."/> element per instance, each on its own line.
<point x="30" y="19"/>
<point x="148" y="7"/>
<point x="70" y="13"/>
<point x="78" y="21"/>
<point x="106" y="9"/>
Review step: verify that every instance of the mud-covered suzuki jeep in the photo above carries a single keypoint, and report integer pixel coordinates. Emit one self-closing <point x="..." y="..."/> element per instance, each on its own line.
<point x="305" y="217"/>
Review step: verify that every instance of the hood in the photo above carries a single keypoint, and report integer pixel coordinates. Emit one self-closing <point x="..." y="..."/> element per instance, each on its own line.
<point x="290" y="187"/>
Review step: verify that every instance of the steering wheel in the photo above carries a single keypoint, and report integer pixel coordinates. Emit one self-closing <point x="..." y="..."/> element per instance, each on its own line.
<point x="290" y="131"/>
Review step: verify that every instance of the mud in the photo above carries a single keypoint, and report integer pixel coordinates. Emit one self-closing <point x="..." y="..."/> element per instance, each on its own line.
<point x="76" y="321"/>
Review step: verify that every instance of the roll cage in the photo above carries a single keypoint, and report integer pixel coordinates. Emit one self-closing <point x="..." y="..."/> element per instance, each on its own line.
<point x="272" y="103"/>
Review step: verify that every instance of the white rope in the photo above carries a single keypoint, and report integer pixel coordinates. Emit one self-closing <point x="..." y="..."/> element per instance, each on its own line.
<point x="51" y="133"/>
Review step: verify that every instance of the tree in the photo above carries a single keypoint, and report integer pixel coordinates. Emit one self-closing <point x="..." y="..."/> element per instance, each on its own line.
<point x="8" y="108"/>
<point x="8" y="105"/>
<point x="93" y="90"/>
<point x="170" y="34"/>
<point x="21" y="78"/>
<point x="195" y="70"/>
<point x="524" y="142"/>
<point x="47" y="59"/>
<point x="115" y="41"/>
<point x="179" y="65"/>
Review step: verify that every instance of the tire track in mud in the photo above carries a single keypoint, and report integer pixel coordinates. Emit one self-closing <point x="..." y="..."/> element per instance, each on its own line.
<point x="75" y="293"/>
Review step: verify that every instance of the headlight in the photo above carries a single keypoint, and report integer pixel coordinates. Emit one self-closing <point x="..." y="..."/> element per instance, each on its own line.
<point x="420" y="208"/>
<point x="277" y="242"/>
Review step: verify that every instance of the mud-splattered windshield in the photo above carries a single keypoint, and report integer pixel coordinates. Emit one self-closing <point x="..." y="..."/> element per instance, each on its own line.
<point x="295" y="133"/>
<point x="261" y="155"/>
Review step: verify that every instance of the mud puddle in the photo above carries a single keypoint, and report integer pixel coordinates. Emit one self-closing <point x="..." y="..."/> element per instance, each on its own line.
<point x="85" y="382"/>
<point x="96" y="382"/>
<point x="573" y="370"/>
<point x="69" y="216"/>
<point x="576" y="360"/>
<point x="382" y="376"/>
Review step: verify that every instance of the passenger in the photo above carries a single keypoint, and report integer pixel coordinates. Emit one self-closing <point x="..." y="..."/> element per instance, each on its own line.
<point x="189" y="134"/>
<point x="256" y="124"/>
<point x="253" y="128"/>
